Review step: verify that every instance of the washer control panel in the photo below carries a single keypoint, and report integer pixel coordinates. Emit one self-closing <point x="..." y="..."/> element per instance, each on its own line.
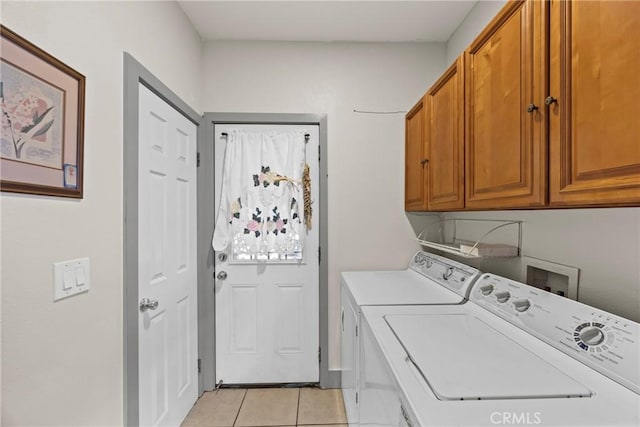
<point x="601" y="340"/>
<point x="449" y="273"/>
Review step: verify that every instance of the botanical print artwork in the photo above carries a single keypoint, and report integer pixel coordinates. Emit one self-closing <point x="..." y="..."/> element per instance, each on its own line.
<point x="32" y="117"/>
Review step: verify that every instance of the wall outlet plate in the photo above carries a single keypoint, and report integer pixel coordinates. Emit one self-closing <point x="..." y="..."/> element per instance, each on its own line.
<point x="70" y="278"/>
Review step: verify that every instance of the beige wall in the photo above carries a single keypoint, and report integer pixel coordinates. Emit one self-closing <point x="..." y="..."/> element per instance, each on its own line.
<point x="603" y="243"/>
<point x="62" y="362"/>
<point x="475" y="21"/>
<point x="367" y="225"/>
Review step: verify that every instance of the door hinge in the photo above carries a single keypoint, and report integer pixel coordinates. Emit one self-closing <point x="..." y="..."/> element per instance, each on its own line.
<point x="199" y="365"/>
<point x="318" y="153"/>
<point x="319" y="254"/>
<point x="356" y="397"/>
<point x="356" y="330"/>
<point x="319" y="354"/>
<point x="198" y="159"/>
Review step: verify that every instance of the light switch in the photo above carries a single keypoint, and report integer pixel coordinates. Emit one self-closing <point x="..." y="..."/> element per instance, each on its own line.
<point x="80" y="276"/>
<point x="68" y="281"/>
<point x="70" y="278"/>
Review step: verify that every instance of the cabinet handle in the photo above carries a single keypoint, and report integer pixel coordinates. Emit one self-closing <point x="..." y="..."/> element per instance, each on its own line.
<point x="550" y="100"/>
<point x="531" y="108"/>
<point x="424" y="161"/>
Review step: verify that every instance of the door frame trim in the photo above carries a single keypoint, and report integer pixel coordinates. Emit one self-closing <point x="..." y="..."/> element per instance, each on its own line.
<point x="134" y="74"/>
<point x="206" y="214"/>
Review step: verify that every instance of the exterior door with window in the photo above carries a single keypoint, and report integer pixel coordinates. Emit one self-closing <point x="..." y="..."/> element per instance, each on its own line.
<point x="267" y="303"/>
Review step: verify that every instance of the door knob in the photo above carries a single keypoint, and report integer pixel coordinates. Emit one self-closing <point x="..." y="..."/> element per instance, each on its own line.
<point x="148" y="304"/>
<point x="222" y="257"/>
<point x="531" y="108"/>
<point x="424" y="161"/>
<point x="550" y="100"/>
<point x="222" y="275"/>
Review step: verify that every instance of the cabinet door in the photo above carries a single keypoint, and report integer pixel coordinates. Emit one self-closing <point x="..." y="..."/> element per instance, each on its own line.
<point x="595" y="123"/>
<point x="415" y="176"/>
<point x="445" y="139"/>
<point x="506" y="144"/>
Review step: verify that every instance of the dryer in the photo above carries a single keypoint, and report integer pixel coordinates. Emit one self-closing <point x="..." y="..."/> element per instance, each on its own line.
<point x="512" y="355"/>
<point x="429" y="279"/>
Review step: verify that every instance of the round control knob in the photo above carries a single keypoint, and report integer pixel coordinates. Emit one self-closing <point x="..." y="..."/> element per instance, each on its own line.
<point x="592" y="336"/>
<point x="503" y="296"/>
<point x="486" y="289"/>
<point x="522" y="305"/>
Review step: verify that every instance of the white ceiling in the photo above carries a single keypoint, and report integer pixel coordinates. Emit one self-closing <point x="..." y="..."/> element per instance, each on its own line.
<point x="326" y="21"/>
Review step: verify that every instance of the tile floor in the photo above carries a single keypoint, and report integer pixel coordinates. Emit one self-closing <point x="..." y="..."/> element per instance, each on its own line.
<point x="261" y="407"/>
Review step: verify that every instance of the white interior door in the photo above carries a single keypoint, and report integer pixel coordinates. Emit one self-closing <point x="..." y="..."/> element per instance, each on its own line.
<point x="267" y="325"/>
<point x="167" y="325"/>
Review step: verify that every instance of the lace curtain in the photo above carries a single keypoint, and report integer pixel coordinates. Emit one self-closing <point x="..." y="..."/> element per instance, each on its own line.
<point x="261" y="214"/>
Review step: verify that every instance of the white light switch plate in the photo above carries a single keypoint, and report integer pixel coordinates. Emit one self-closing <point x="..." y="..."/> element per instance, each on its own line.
<point x="70" y="278"/>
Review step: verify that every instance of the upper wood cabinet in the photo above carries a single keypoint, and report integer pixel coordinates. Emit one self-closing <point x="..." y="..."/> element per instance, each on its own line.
<point x="551" y="96"/>
<point x="444" y="113"/>
<point x="505" y="87"/>
<point x="415" y="179"/>
<point x="594" y="111"/>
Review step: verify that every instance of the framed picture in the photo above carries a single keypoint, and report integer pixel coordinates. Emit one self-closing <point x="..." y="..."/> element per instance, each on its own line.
<point x="42" y="102"/>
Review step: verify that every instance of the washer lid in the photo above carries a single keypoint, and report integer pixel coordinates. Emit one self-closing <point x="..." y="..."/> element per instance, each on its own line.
<point x="462" y="357"/>
<point x="401" y="287"/>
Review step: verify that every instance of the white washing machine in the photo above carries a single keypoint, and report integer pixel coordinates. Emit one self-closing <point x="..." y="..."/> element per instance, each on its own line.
<point x="429" y="279"/>
<point x="512" y="355"/>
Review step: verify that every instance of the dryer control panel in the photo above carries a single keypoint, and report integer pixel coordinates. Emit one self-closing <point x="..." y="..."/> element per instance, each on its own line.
<point x="606" y="342"/>
<point x="452" y="275"/>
